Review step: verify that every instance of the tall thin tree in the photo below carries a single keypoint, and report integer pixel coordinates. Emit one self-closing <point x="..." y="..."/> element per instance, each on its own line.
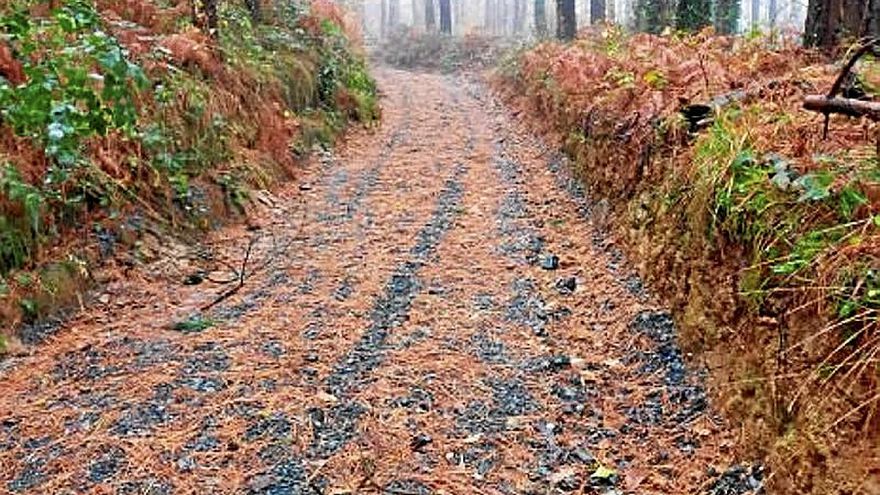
<point x="566" y="19"/>
<point x="597" y="11"/>
<point x="383" y="18"/>
<point x="253" y="7"/>
<point x="693" y="15"/>
<point x="519" y="16"/>
<point x="205" y="15"/>
<point x="393" y="13"/>
<point x="727" y="16"/>
<point x="446" y="16"/>
<point x="541" y="18"/>
<point x="756" y="14"/>
<point x="831" y="21"/>
<point x="430" y="19"/>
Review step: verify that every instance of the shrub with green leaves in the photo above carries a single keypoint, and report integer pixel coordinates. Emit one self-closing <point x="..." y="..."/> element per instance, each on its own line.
<point x="80" y="84"/>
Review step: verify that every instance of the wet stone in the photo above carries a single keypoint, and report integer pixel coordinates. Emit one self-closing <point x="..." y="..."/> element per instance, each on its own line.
<point x="419" y="441"/>
<point x="203" y="384"/>
<point x="512" y="398"/>
<point x="419" y="399"/>
<point x="286" y="478"/>
<point x="344" y="291"/>
<point x="150" y="486"/>
<point x="139" y="419"/>
<point x="209" y="357"/>
<point x="407" y="487"/>
<point x="274" y="453"/>
<point x="85" y="364"/>
<point x="566" y="285"/>
<point x="276" y="427"/>
<point x="35" y="333"/>
<point x="550" y="262"/>
<point x="335" y="429"/>
<point x="635" y="286"/>
<point x="30" y="477"/>
<point x="487" y="349"/>
<point x="739" y="480"/>
<point x="273" y="348"/>
<point x="547" y="364"/>
<point x="484" y="302"/>
<point x="106" y="465"/>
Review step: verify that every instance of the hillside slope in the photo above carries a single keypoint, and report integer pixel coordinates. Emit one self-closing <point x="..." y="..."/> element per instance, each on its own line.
<point x="123" y="121"/>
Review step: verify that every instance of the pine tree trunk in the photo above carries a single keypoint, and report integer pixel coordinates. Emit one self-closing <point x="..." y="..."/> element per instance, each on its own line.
<point x="830" y="21"/>
<point x="491" y="17"/>
<point x="383" y="22"/>
<point x="772" y="11"/>
<point x="393" y="14"/>
<point x="430" y="19"/>
<point x="253" y="7"/>
<point x="445" y="17"/>
<point x="566" y="19"/>
<point x="693" y="15"/>
<point x="727" y="16"/>
<point x="872" y="20"/>
<point x="541" y="18"/>
<point x="654" y="16"/>
<point x="597" y="11"/>
<point x="519" y="16"/>
<point x="207" y="18"/>
<point x="756" y="13"/>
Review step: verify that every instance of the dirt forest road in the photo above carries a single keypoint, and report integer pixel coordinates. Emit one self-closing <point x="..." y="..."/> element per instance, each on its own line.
<point x="426" y="310"/>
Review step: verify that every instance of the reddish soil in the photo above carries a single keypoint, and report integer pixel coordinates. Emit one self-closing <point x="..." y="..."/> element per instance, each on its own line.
<point x="426" y="310"/>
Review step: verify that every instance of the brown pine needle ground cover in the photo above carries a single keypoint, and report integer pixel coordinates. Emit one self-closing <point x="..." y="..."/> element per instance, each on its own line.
<point x="426" y="311"/>
<point x="758" y="230"/>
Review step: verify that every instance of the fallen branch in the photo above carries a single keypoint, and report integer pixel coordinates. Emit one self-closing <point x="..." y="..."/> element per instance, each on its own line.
<point x="843" y="106"/>
<point x="242" y="275"/>
<point x="830" y="103"/>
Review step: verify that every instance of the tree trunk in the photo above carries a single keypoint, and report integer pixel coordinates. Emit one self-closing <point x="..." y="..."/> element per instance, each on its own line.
<point x="253" y="7"/>
<point x="872" y="20"/>
<point x="445" y="16"/>
<point x="541" y="18"/>
<point x="693" y="15"/>
<point x="727" y="16"/>
<point x="566" y="19"/>
<point x="756" y="14"/>
<point x="430" y="19"/>
<point x="830" y="21"/>
<point x="491" y="15"/>
<point x="772" y="12"/>
<point x="654" y="16"/>
<point x="597" y="11"/>
<point x="519" y="16"/>
<point x="383" y="22"/>
<point x="205" y="16"/>
<point x="393" y="14"/>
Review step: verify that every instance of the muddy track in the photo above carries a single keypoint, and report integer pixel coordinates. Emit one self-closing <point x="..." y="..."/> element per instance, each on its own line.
<point x="426" y="310"/>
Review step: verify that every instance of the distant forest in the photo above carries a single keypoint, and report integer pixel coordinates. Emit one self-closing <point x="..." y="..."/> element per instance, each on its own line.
<point x="822" y="22"/>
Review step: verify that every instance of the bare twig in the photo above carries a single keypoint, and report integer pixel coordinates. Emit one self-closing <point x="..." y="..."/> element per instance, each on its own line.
<point x="242" y="276"/>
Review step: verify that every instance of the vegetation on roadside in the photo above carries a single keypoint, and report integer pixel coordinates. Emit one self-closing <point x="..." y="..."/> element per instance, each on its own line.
<point x="763" y="234"/>
<point x="125" y="113"/>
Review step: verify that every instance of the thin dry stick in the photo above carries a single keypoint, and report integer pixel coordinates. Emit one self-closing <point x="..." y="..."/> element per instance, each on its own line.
<point x="242" y="276"/>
